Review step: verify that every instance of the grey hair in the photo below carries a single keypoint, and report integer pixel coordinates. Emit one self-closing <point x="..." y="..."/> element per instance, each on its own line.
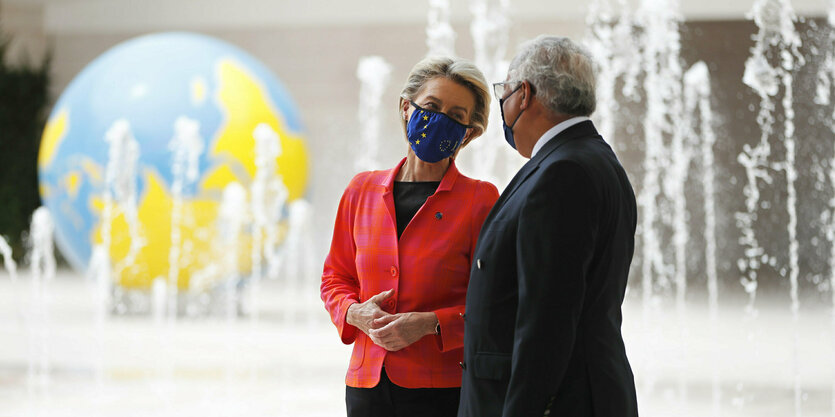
<point x="460" y="71"/>
<point x="561" y="73"/>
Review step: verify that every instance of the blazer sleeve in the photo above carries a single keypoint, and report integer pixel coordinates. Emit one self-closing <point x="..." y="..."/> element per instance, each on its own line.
<point x="451" y="318"/>
<point x="554" y="248"/>
<point x="340" y="284"/>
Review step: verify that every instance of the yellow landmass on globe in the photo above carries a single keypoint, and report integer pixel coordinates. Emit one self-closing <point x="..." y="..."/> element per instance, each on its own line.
<point x="53" y="134"/>
<point x="219" y="177"/>
<point x="198" y="91"/>
<point x="245" y="103"/>
<point x="92" y="169"/>
<point x="72" y="181"/>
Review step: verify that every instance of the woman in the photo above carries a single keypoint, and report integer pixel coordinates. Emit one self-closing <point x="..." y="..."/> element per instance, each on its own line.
<point x="396" y="276"/>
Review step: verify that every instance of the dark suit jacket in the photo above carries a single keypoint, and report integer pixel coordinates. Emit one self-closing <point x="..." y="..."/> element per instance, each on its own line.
<point x="543" y="311"/>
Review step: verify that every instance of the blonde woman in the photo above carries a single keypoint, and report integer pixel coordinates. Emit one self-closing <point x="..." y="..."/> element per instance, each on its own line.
<point x="396" y="276"/>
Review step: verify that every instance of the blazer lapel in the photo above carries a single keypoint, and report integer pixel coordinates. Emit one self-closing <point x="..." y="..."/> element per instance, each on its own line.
<point x="387" y="183"/>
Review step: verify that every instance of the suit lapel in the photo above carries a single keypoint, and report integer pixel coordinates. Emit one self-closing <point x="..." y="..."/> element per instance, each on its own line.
<point x="517" y="180"/>
<point x="580" y="130"/>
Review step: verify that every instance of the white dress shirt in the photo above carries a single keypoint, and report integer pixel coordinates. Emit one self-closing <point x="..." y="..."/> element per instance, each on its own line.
<point x="554" y="131"/>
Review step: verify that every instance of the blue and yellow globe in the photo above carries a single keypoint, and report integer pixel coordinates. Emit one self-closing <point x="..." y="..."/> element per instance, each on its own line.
<point x="150" y="82"/>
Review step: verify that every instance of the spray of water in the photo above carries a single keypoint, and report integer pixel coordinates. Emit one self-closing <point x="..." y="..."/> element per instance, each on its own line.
<point x="611" y="42"/>
<point x="8" y="262"/>
<point x="440" y="36"/>
<point x="268" y="197"/>
<point x="119" y="196"/>
<point x="120" y="180"/>
<point x="775" y="20"/>
<point x="186" y="147"/>
<point x="658" y="25"/>
<point x="374" y="74"/>
<point x="490" y="30"/>
<point x="823" y="97"/>
<point x="697" y="93"/>
<point x="42" y="258"/>
<point x="230" y="226"/>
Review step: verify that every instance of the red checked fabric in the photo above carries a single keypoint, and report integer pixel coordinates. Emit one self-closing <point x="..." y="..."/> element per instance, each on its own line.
<point x="428" y="268"/>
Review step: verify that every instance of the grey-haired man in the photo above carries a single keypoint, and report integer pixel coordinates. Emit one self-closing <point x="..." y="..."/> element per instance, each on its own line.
<point x="543" y="311"/>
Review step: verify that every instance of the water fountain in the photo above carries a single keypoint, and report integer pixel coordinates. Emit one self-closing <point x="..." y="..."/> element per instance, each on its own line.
<point x="611" y="43"/>
<point x="440" y="36"/>
<point x="42" y="271"/>
<point x="186" y="146"/>
<point x="490" y="30"/>
<point x="775" y="20"/>
<point x="119" y="194"/>
<point x="697" y="93"/>
<point x="268" y="197"/>
<point x="8" y="262"/>
<point x="374" y="74"/>
<point x="230" y="227"/>
<point x="826" y="80"/>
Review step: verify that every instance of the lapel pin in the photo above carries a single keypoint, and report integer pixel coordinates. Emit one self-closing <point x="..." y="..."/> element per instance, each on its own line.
<point x="439" y="215"/>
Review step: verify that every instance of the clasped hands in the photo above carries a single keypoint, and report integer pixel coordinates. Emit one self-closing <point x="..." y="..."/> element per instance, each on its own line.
<point x="392" y="332"/>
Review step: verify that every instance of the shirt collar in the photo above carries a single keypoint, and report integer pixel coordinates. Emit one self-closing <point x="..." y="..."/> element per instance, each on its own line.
<point x="554" y="131"/>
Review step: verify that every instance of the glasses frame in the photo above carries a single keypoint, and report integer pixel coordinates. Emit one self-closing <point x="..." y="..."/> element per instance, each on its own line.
<point x="500" y="88"/>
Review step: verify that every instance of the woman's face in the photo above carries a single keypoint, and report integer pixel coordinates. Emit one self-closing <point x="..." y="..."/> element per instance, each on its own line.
<point x="445" y="96"/>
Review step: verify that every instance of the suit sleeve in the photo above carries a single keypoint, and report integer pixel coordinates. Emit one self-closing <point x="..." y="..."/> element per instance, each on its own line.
<point x="554" y="247"/>
<point x="450" y="318"/>
<point x="340" y="285"/>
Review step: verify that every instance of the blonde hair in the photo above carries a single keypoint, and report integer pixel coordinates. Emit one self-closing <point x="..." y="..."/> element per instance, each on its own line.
<point x="458" y="70"/>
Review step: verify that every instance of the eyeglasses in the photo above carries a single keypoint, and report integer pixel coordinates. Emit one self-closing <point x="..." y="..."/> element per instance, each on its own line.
<point x="501" y="89"/>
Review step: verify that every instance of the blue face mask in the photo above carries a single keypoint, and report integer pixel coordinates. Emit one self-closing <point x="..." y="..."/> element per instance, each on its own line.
<point x="508" y="130"/>
<point x="433" y="135"/>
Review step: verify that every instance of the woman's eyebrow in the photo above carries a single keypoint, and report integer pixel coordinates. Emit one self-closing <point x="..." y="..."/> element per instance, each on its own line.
<point x="436" y="99"/>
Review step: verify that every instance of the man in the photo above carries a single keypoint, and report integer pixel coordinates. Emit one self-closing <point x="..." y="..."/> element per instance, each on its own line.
<point x="543" y="309"/>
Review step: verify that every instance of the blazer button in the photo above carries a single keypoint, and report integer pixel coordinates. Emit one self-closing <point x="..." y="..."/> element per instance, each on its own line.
<point x="462" y="365"/>
<point x="463" y="316"/>
<point x="394" y="271"/>
<point x="478" y="263"/>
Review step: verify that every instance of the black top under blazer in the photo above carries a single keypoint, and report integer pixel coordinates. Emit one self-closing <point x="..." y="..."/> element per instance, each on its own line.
<point x="543" y="313"/>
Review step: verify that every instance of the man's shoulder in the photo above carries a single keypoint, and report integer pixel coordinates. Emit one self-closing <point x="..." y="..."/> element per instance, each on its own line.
<point x="586" y="151"/>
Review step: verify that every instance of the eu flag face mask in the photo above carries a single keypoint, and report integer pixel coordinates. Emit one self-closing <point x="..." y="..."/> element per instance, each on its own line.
<point x="433" y="135"/>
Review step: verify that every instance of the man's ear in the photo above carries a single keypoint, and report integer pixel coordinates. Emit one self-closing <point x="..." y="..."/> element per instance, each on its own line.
<point x="527" y="95"/>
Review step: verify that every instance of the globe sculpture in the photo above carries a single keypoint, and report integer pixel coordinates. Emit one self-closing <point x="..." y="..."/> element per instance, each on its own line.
<point x="144" y="143"/>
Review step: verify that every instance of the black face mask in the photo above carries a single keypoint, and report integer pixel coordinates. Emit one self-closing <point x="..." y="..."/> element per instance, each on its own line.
<point x="508" y="130"/>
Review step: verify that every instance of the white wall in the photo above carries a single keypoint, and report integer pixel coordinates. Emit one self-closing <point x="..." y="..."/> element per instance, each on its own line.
<point x="129" y="15"/>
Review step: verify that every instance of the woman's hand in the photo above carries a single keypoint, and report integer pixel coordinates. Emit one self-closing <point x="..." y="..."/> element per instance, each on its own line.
<point x="393" y="332"/>
<point x="362" y="315"/>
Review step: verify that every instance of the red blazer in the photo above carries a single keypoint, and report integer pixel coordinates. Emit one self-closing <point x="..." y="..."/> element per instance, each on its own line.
<point x="429" y="268"/>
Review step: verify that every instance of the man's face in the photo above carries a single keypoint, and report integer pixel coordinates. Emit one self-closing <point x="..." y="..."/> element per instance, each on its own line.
<point x="512" y="95"/>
